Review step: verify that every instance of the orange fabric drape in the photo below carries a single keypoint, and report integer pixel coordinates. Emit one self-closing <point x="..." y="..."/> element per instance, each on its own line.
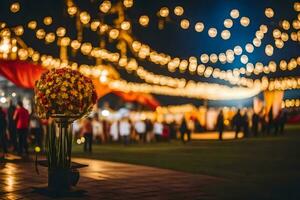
<point x="273" y="99"/>
<point x="25" y="74"/>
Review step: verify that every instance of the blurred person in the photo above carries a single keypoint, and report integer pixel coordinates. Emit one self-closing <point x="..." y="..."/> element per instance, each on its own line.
<point x="125" y="130"/>
<point x="36" y="129"/>
<point x="166" y="132"/>
<point x="198" y="127"/>
<point x="97" y="129"/>
<point x="76" y="127"/>
<point x="245" y="123"/>
<point x="173" y="130"/>
<point x="114" y="131"/>
<point x="12" y="125"/>
<point x="158" y="130"/>
<point x="263" y="122"/>
<point x="255" y="122"/>
<point x="3" y="126"/>
<point x="282" y="122"/>
<point x="87" y="132"/>
<point x="270" y="121"/>
<point x="140" y="128"/>
<point x="149" y="130"/>
<point x="184" y="130"/>
<point x="237" y="122"/>
<point x="276" y="124"/>
<point x="220" y="124"/>
<point x="21" y="116"/>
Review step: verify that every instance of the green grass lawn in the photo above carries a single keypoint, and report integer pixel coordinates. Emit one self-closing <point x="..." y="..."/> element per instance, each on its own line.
<point x="255" y="168"/>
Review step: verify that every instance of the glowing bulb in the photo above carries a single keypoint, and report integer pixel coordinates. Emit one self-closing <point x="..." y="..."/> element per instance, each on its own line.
<point x="284" y="37"/>
<point x="50" y="37"/>
<point x="225" y="34"/>
<point x="105" y="6"/>
<point x="213" y="58"/>
<point x="269" y="12"/>
<point x="128" y="3"/>
<point x="61" y="31"/>
<point x="48" y="21"/>
<point x="32" y="24"/>
<point x="15" y="7"/>
<point x="212" y="32"/>
<point x="178" y="10"/>
<point x="72" y="10"/>
<point x="276" y="33"/>
<point x="85" y="17"/>
<point x="235" y="13"/>
<point x="245" y="21"/>
<point x="249" y="48"/>
<point x="125" y="25"/>
<point x="114" y="33"/>
<point x="3" y="100"/>
<point x="204" y="58"/>
<point x="105" y="113"/>
<point x="263" y="28"/>
<point x="144" y="20"/>
<point x="285" y="25"/>
<point x="199" y="27"/>
<point x="297" y="6"/>
<point x="228" y="23"/>
<point x="244" y="59"/>
<point x="269" y="50"/>
<point x="238" y="50"/>
<point x="184" y="24"/>
<point x="256" y="42"/>
<point x="164" y="12"/>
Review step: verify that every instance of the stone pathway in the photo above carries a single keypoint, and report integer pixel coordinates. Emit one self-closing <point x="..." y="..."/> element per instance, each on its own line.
<point x="105" y="180"/>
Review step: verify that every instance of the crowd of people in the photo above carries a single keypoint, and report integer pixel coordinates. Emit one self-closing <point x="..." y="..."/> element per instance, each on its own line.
<point x="260" y="123"/>
<point x="18" y="126"/>
<point x="16" y="122"/>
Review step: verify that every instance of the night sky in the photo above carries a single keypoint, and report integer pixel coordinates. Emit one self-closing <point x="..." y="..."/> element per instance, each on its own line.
<point x="172" y="39"/>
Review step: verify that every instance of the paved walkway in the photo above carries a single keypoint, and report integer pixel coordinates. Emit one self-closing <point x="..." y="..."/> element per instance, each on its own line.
<point x="105" y="180"/>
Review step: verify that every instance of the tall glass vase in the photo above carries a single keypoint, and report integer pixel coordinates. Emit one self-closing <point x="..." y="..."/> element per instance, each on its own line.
<point x="59" y="149"/>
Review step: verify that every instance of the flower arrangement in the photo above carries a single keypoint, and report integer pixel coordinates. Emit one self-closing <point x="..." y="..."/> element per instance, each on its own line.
<point x="64" y="92"/>
<point x="63" y="95"/>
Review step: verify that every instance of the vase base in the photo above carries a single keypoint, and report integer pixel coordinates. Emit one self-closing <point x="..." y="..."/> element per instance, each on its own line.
<point x="72" y="192"/>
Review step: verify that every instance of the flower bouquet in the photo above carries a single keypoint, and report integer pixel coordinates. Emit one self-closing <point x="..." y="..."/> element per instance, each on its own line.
<point x="62" y="95"/>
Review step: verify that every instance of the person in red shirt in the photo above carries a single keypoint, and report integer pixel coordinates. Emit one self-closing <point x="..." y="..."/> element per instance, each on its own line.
<point x="21" y="116"/>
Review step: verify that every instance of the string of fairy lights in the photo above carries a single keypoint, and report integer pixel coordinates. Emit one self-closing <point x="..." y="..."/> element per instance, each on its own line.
<point x="121" y="33"/>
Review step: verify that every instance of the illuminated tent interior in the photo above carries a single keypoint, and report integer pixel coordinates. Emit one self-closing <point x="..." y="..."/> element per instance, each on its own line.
<point x="159" y="52"/>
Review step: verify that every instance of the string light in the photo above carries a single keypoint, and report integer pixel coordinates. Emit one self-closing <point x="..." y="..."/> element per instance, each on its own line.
<point x="199" y="26"/>
<point x="212" y="32"/>
<point x="249" y="48"/>
<point x="125" y="25"/>
<point x="225" y="34"/>
<point x="228" y="23"/>
<point x="269" y="50"/>
<point x="47" y="21"/>
<point x="234" y="13"/>
<point x="269" y="12"/>
<point x="15" y="7"/>
<point x="164" y="12"/>
<point x="128" y="3"/>
<point x="144" y="20"/>
<point x="85" y="17"/>
<point x="245" y="21"/>
<point x="178" y="10"/>
<point x="105" y="6"/>
<point x="184" y="24"/>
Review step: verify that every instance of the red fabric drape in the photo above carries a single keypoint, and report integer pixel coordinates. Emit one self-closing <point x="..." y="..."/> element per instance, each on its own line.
<point x="22" y="74"/>
<point x="25" y="74"/>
